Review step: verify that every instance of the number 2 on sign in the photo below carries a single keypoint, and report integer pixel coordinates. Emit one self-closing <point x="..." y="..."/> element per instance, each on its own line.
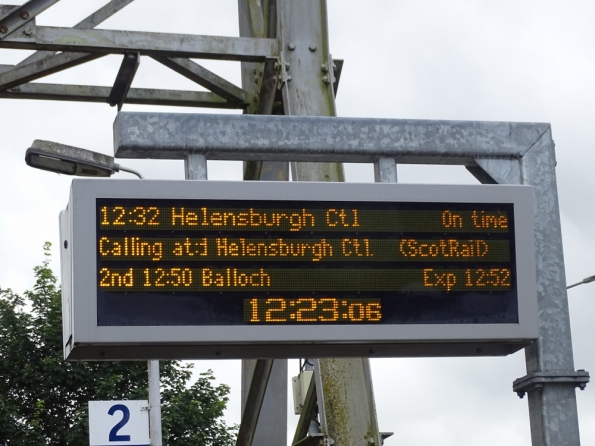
<point x="113" y="434"/>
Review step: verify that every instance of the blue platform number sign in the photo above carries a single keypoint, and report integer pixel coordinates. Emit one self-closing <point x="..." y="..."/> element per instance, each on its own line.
<point x="118" y="423"/>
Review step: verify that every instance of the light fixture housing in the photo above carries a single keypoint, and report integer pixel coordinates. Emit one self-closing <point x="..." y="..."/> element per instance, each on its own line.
<point x="69" y="160"/>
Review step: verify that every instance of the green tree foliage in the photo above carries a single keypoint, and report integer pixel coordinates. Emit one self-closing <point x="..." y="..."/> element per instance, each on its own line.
<point x="43" y="398"/>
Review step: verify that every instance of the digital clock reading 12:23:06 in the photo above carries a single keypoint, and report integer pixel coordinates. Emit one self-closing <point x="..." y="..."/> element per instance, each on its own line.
<point x="302" y="262"/>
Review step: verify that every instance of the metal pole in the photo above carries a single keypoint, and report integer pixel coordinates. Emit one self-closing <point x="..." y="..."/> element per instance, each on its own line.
<point x="551" y="379"/>
<point x="154" y="404"/>
<point x="259" y="19"/>
<point x="346" y="399"/>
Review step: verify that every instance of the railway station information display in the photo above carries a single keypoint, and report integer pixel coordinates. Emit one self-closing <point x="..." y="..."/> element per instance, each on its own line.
<point x="323" y="261"/>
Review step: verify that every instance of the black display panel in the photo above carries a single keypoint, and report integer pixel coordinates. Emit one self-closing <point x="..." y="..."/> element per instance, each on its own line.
<point x="228" y="262"/>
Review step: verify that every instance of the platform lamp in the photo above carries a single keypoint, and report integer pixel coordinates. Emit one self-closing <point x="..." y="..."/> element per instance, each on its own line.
<point x="69" y="160"/>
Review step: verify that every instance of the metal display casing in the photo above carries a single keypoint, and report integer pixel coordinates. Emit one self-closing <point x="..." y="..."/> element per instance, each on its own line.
<point x="85" y="340"/>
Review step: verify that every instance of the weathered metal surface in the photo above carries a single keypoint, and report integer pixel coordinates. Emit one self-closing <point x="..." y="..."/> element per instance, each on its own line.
<point x="144" y="96"/>
<point x="271" y="428"/>
<point x="307" y="414"/>
<point x="124" y="79"/>
<point x="146" y="43"/>
<point x="302" y="138"/>
<point x="535" y="380"/>
<point x="258" y="19"/>
<point x="308" y="86"/>
<point x="551" y="379"/>
<point x="500" y="171"/>
<point x="99" y="16"/>
<point x="21" y="15"/>
<point x="197" y="73"/>
<point x="385" y="170"/>
<point x="102" y="14"/>
<point x="44" y="67"/>
<point x="349" y="401"/>
<point x="195" y="167"/>
<point x="254" y="400"/>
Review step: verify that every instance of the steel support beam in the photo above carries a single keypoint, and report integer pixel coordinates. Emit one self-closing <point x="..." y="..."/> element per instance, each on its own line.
<point x="124" y="79"/>
<point x="21" y="15"/>
<point x="307" y="89"/>
<point x="310" y="138"/>
<point x="145" y="43"/>
<point x="307" y="414"/>
<point x="258" y="19"/>
<point x="90" y="22"/>
<point x="271" y="425"/>
<point x="551" y="380"/>
<point x="44" y="67"/>
<point x="197" y="73"/>
<point x="253" y="402"/>
<point x="143" y="96"/>
<point x="102" y="14"/>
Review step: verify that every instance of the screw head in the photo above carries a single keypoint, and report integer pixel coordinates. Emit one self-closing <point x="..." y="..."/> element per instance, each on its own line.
<point x="312" y="47"/>
<point x="25" y="15"/>
<point x="291" y="46"/>
<point x="28" y="31"/>
<point x="3" y="29"/>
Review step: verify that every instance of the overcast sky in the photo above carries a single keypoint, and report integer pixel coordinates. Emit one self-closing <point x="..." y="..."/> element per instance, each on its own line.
<point x="521" y="60"/>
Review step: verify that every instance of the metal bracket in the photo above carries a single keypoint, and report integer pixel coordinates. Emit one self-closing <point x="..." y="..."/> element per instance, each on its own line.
<point x="283" y="68"/>
<point x="312" y="440"/>
<point x="16" y="17"/>
<point x="385" y="435"/>
<point x="124" y="79"/>
<point x="536" y="381"/>
<point x="328" y="71"/>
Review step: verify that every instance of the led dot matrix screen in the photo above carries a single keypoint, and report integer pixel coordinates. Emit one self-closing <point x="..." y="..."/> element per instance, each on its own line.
<point x="304" y="262"/>
<point x="155" y="269"/>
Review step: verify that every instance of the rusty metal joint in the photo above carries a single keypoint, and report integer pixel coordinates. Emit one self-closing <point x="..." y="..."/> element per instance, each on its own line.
<point x="13" y="18"/>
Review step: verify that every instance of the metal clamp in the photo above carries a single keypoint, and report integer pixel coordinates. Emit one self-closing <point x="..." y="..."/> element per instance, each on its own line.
<point x="536" y="380"/>
<point x="282" y="67"/>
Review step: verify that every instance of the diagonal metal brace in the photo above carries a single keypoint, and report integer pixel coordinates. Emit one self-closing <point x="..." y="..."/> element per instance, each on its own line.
<point x="260" y="379"/>
<point x="197" y="73"/>
<point x="20" y="15"/>
<point x="124" y="79"/>
<point x="35" y="70"/>
<point x="536" y="380"/>
<point x="306" y="416"/>
<point x="99" y="16"/>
